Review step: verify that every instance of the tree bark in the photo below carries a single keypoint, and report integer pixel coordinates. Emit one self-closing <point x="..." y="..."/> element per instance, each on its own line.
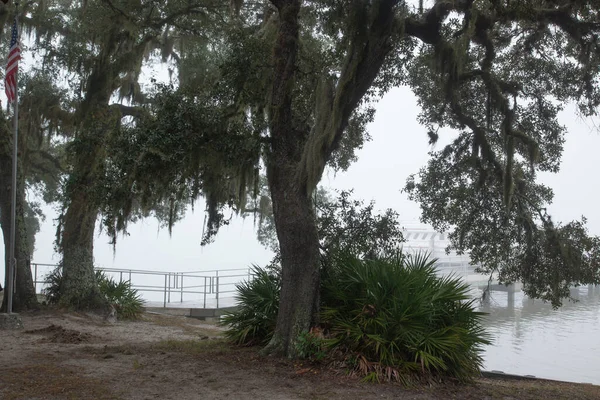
<point x="79" y="289"/>
<point x="292" y="206"/>
<point x="24" y="295"/>
<point x="299" y="244"/>
<point x="291" y="176"/>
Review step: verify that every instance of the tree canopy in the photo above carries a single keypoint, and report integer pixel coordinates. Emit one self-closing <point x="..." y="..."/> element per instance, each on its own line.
<point x="503" y="93"/>
<point x="496" y="72"/>
<point x="286" y="88"/>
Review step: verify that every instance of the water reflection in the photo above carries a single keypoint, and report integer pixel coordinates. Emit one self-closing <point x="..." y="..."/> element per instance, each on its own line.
<point x="529" y="337"/>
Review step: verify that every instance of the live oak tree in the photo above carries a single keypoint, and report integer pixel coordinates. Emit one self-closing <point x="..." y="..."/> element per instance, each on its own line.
<point x="99" y="47"/>
<point x="360" y="38"/>
<point x="24" y="294"/>
<point x="70" y="40"/>
<point x="294" y="83"/>
<point x="210" y="141"/>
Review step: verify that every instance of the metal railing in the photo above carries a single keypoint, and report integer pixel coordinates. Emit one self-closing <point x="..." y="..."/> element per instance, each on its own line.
<point x="216" y="287"/>
<point x="204" y="287"/>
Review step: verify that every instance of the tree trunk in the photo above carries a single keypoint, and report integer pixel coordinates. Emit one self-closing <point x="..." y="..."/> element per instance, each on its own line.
<point x="79" y="289"/>
<point x="24" y="295"/>
<point x="292" y="206"/>
<point x="299" y="243"/>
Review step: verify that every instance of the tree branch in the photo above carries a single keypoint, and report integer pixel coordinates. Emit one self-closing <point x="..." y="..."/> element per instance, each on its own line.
<point x="49" y="158"/>
<point x="427" y="27"/>
<point x="364" y="59"/>
<point x="285" y="53"/>
<point x="136" y="112"/>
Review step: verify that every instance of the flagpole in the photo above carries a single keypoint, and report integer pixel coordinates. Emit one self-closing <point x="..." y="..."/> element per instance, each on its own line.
<point x="13" y="220"/>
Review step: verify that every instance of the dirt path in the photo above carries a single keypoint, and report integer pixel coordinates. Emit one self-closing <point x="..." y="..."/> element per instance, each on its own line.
<point x="76" y="356"/>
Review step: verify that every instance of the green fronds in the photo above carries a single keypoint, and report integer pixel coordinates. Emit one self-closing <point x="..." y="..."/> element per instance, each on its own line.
<point x="393" y="319"/>
<point x="126" y="301"/>
<point x="398" y="314"/>
<point x="254" y="321"/>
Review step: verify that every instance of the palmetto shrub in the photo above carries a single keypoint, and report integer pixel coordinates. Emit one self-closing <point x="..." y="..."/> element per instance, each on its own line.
<point x="254" y="321"/>
<point x="397" y="318"/>
<point x="392" y="318"/>
<point x="126" y="300"/>
<point x="53" y="283"/>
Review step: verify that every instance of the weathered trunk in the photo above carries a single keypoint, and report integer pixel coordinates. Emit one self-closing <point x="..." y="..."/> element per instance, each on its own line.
<point x="79" y="289"/>
<point x="292" y="206"/>
<point x="299" y="153"/>
<point x="96" y="120"/>
<point x="24" y="295"/>
<point x="299" y="244"/>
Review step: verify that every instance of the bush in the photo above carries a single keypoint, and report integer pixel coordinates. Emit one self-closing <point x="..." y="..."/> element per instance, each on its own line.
<point x="393" y="319"/>
<point x="52" y="290"/>
<point x="398" y="319"/>
<point x="310" y="345"/>
<point x="126" y="301"/>
<point x="254" y="321"/>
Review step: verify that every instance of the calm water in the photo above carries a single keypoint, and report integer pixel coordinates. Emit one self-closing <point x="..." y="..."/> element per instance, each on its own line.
<point x="530" y="338"/>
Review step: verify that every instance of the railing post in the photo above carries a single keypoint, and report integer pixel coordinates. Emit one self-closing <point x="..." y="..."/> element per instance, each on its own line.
<point x="204" y="306"/>
<point x="217" y="289"/>
<point x="169" y="287"/>
<point x="181" y="286"/>
<point x="121" y="277"/>
<point x="36" y="281"/>
<point x="165" y="293"/>
<point x="130" y="276"/>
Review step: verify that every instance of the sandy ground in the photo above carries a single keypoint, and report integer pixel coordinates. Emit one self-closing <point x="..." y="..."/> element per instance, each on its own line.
<point x="77" y="356"/>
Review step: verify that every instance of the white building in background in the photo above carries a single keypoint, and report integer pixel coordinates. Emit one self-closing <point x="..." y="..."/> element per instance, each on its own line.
<point x="422" y="238"/>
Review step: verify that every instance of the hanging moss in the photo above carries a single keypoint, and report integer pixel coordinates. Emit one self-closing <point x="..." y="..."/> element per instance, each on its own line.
<point x="313" y="160"/>
<point x="508" y="172"/>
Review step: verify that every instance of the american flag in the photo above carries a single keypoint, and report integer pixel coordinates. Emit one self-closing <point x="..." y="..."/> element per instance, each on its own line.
<point x="12" y="66"/>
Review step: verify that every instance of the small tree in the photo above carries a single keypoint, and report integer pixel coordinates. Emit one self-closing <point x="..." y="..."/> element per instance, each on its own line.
<point x="345" y="225"/>
<point x="99" y="47"/>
